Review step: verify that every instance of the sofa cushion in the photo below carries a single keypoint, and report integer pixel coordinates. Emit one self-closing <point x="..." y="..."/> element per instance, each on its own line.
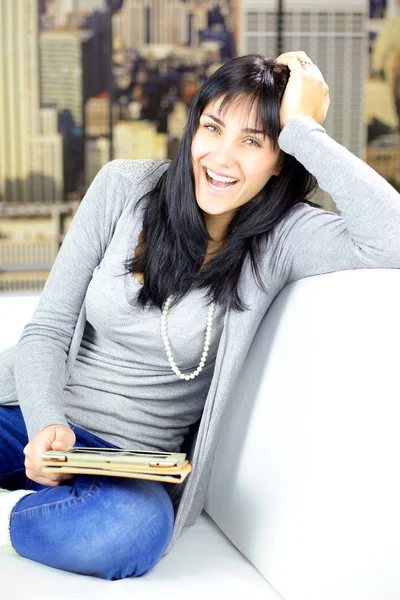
<point x="203" y="564"/>
<point x="305" y="481"/>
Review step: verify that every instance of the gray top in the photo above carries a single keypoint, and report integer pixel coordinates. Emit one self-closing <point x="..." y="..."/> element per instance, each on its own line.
<point x="122" y="387"/>
<point x="308" y="241"/>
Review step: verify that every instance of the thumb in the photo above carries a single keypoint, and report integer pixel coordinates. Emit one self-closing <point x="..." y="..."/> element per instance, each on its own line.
<point x="61" y="441"/>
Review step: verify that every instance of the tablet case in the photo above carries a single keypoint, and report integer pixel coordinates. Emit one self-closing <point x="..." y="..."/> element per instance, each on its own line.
<point x="104" y="462"/>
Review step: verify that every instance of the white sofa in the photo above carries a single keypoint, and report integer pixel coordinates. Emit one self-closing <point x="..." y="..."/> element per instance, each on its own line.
<point x="305" y="495"/>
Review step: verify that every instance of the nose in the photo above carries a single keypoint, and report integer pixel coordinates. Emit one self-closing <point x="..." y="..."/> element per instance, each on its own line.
<point x="224" y="153"/>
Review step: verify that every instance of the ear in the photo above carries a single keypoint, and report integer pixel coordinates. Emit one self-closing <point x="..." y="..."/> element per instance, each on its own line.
<point x="279" y="165"/>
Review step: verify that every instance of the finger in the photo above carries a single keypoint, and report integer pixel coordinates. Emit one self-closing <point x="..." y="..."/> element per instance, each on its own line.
<point x="62" y="440"/>
<point x="33" y="462"/>
<point x="299" y="54"/>
<point x="295" y="66"/>
<point x="36" y="466"/>
<point x="58" y="445"/>
<point x="54" y="476"/>
<point x="28" y="464"/>
<point x="47" y="480"/>
<point x="59" y="478"/>
<point x="292" y="62"/>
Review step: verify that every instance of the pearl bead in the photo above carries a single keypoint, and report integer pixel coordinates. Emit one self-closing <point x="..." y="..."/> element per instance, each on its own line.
<point x="167" y="346"/>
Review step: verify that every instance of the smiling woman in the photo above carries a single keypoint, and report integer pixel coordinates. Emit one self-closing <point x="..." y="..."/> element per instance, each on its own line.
<point x="214" y="236"/>
<point x="227" y="187"/>
<point x="232" y="161"/>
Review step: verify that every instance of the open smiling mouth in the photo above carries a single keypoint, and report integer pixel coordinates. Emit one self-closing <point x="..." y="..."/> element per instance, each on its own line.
<point x="217" y="182"/>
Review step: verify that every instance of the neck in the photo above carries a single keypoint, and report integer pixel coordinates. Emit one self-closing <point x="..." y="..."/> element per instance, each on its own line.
<point x="217" y="227"/>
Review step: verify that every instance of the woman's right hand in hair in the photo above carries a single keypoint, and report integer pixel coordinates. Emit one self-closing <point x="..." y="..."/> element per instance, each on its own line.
<point x="306" y="92"/>
<point x="53" y="437"/>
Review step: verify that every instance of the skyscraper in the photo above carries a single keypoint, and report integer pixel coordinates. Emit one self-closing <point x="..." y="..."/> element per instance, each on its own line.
<point x="26" y="175"/>
<point x="334" y="36"/>
<point x="160" y="22"/>
<point x="63" y="59"/>
<point x="59" y="10"/>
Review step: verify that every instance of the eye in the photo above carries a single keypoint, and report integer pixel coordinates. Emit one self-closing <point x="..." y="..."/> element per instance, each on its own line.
<point x="211" y="127"/>
<point x="253" y="142"/>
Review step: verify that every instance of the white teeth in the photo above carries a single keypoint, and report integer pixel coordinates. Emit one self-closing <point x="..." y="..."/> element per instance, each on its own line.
<point x="219" y="178"/>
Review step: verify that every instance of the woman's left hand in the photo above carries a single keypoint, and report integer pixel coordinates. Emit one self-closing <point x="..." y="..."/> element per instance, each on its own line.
<point x="306" y="92"/>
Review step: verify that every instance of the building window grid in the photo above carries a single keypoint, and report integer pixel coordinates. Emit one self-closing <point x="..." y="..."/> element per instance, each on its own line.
<point x="315" y="24"/>
<point x="343" y="36"/>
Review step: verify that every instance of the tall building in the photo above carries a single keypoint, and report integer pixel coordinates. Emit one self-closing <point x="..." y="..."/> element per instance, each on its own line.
<point x="64" y="54"/>
<point x="97" y="115"/>
<point x="97" y="154"/>
<point x="334" y="35"/>
<point x="160" y="22"/>
<point x="27" y="136"/>
<point x="132" y="140"/>
<point x="139" y="139"/>
<point x="46" y="159"/>
<point x="58" y="10"/>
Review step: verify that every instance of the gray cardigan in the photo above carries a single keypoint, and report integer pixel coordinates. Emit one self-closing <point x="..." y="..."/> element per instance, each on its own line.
<point x="308" y="241"/>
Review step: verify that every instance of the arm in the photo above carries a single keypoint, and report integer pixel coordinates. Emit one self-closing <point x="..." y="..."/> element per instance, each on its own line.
<point x="312" y="241"/>
<point x="40" y="367"/>
<point x="365" y="235"/>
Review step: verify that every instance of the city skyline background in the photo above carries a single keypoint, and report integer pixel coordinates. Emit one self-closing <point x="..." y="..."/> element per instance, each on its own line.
<point x="83" y="82"/>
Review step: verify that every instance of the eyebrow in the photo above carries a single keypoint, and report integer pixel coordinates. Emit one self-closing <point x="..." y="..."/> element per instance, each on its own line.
<point x="220" y="122"/>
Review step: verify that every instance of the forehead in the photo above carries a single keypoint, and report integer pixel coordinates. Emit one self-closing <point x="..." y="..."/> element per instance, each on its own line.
<point x="241" y="109"/>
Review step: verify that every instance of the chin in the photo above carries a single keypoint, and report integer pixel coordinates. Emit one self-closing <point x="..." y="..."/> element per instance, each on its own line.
<point x="211" y="208"/>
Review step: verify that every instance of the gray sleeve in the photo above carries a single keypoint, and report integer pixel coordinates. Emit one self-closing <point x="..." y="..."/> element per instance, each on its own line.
<point x="42" y="350"/>
<point x="367" y="232"/>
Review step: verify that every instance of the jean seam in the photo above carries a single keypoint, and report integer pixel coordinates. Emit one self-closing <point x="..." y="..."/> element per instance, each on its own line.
<point x="85" y="492"/>
<point x="11" y="473"/>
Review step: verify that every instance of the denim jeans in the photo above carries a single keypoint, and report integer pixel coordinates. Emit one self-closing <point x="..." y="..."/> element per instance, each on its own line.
<point x="108" y="527"/>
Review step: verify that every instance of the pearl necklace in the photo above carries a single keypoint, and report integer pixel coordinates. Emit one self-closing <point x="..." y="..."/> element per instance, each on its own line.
<point x="168" y="347"/>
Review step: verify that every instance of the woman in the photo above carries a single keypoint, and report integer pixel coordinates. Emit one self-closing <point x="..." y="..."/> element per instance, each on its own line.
<point x="116" y="356"/>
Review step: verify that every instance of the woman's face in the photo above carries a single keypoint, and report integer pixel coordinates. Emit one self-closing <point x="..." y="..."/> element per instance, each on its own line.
<point x="232" y="161"/>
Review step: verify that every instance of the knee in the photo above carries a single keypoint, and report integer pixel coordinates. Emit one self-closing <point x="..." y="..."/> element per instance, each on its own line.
<point x="135" y="536"/>
<point x="107" y="529"/>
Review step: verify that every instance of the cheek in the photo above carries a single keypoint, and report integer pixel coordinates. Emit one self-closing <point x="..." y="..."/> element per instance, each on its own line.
<point x="259" y="170"/>
<point x="200" y="146"/>
<point x="258" y="180"/>
<point x="256" y="171"/>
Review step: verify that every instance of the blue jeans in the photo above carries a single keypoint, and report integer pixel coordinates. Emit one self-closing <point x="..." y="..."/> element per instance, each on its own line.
<point x="108" y="527"/>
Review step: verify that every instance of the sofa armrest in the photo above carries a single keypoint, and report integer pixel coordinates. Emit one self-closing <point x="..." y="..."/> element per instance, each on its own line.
<point x="305" y="479"/>
<point x="15" y="311"/>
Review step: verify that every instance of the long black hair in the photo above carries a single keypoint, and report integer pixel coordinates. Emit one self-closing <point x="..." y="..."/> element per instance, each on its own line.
<point x="175" y="237"/>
